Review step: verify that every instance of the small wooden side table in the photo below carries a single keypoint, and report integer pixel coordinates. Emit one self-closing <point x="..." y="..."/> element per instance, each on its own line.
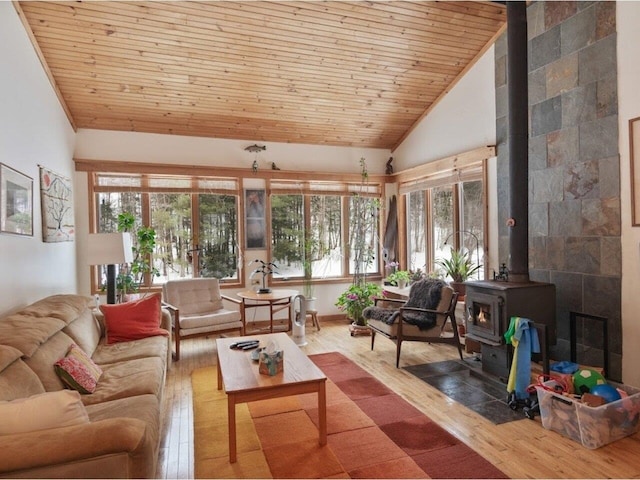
<point x="278" y="298"/>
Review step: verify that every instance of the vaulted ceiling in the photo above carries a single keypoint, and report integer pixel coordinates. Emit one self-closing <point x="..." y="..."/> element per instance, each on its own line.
<point x="352" y="73"/>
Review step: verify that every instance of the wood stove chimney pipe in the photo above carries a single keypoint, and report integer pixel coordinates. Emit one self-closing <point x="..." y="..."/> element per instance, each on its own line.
<point x="518" y="135"/>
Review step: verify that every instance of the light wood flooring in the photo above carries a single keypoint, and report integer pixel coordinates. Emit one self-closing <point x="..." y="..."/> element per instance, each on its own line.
<point x="522" y="449"/>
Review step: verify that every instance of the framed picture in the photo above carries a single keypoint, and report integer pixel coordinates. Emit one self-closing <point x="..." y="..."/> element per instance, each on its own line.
<point x="255" y="224"/>
<point x="57" y="207"/>
<point x="634" y="154"/>
<point x="16" y="202"/>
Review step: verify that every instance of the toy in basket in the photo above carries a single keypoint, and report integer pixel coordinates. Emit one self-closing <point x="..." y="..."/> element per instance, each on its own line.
<point x="604" y="414"/>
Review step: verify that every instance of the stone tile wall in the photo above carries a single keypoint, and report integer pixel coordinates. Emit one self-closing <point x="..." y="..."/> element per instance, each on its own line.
<point x="574" y="174"/>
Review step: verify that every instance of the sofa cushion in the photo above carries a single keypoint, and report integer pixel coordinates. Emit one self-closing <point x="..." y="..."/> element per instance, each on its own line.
<point x="142" y="407"/>
<point x="85" y="330"/>
<point x="17" y="380"/>
<point x="127" y="379"/>
<point x="123" y="351"/>
<point x="29" y="328"/>
<point x="77" y="371"/>
<point x="8" y="355"/>
<point x="41" y="362"/>
<point x="41" y="412"/>
<point x="133" y="320"/>
<point x="223" y="318"/>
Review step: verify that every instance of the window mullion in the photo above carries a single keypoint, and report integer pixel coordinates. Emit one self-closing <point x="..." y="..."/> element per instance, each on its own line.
<point x="146" y="218"/>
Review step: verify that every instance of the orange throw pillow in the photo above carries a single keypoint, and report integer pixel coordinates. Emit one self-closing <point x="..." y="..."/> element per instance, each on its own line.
<point x="133" y="320"/>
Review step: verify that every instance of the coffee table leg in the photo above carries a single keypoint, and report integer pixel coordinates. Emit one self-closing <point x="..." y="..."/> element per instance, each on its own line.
<point x="322" y="412"/>
<point x="231" y="407"/>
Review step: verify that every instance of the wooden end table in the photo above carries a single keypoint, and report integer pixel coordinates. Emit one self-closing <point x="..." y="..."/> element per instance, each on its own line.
<point x="276" y="300"/>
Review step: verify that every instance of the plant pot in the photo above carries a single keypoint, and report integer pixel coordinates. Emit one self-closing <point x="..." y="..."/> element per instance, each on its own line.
<point x="357" y="330"/>
<point x="462" y="330"/>
<point x="402" y="284"/>
<point x="310" y="303"/>
<point x="459" y="287"/>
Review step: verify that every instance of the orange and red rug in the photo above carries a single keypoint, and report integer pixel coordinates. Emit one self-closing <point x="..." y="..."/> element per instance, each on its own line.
<point x="372" y="433"/>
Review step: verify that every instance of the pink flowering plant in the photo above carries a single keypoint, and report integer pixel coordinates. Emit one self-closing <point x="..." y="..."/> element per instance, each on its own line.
<point x="356" y="298"/>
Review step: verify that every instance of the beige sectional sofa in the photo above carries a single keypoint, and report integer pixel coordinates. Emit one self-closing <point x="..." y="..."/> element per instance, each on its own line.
<point x="122" y="435"/>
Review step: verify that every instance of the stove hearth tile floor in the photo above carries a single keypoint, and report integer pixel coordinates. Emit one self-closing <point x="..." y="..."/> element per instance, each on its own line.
<point x="464" y="382"/>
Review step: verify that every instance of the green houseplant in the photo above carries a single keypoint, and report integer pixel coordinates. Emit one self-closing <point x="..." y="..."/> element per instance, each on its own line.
<point x="356" y="298"/>
<point x="399" y="278"/>
<point x="459" y="267"/>
<point x="364" y="211"/>
<point x="131" y="276"/>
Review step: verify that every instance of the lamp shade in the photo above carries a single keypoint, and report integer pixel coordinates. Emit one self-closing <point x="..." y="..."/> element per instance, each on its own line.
<point x="109" y="248"/>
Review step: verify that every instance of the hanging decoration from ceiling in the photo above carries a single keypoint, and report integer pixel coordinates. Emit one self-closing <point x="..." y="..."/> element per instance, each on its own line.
<point x="255" y="149"/>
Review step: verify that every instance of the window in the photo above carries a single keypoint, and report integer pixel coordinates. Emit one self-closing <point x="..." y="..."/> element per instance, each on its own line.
<point x="171" y="219"/>
<point x="443" y="221"/>
<point x="444" y="211"/>
<point x="416" y="231"/>
<point x="307" y="230"/>
<point x="363" y="235"/>
<point x="320" y="232"/>
<point x="325" y="247"/>
<point x="195" y="219"/>
<point x="218" y="233"/>
<point x="199" y="227"/>
<point x="287" y="234"/>
<point x="472" y="238"/>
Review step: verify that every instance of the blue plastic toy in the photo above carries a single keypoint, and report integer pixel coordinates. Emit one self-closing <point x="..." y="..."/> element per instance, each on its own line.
<point x="606" y="391"/>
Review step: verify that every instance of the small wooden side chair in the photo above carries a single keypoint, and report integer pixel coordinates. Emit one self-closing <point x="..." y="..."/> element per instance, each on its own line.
<point x="401" y="331"/>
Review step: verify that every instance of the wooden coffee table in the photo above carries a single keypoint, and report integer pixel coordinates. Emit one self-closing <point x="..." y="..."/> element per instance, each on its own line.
<point x="242" y="382"/>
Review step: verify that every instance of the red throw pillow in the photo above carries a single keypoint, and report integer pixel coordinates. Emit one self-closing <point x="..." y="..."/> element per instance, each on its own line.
<point x="133" y="320"/>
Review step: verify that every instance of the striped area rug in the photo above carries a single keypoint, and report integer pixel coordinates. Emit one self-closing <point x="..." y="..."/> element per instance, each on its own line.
<point x="372" y="433"/>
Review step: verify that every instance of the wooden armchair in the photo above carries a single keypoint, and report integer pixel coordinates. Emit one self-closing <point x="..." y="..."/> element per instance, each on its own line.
<point x="400" y="330"/>
<point x="197" y="309"/>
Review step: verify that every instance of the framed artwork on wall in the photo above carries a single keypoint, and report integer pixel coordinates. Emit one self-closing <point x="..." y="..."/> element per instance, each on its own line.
<point x="16" y="202"/>
<point x="57" y="207"/>
<point x="255" y="222"/>
<point x="634" y="157"/>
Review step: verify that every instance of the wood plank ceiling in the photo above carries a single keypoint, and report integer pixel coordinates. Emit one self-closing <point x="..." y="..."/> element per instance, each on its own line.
<point x="318" y="72"/>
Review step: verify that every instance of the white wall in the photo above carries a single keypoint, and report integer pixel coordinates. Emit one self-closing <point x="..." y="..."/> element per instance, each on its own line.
<point x="176" y="149"/>
<point x="463" y="120"/>
<point x="628" y="19"/>
<point x="33" y="131"/>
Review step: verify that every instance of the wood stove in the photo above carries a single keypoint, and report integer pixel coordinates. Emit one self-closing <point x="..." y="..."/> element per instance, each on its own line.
<point x="489" y="306"/>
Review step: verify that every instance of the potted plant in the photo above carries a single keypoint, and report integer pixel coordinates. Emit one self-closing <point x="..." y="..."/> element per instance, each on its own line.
<point x="356" y="298"/>
<point x="362" y="227"/>
<point x="459" y="267"/>
<point x="310" y="253"/>
<point x="399" y="278"/>
<point x="131" y="276"/>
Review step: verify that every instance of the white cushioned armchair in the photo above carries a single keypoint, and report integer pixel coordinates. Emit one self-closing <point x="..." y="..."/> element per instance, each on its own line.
<point x="197" y="309"/>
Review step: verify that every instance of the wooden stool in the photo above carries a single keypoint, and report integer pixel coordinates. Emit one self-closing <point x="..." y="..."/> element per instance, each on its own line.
<point x="314" y="318"/>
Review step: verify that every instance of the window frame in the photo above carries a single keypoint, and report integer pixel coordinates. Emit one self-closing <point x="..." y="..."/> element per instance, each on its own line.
<point x="374" y="186"/>
<point x="345" y="189"/>
<point x="146" y="190"/>
<point x="450" y="176"/>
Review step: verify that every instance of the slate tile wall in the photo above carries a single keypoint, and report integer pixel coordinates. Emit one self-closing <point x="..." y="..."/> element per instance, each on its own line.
<point x="574" y="175"/>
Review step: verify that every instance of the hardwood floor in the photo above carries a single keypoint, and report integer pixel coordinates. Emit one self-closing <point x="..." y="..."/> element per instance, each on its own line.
<point x="522" y="449"/>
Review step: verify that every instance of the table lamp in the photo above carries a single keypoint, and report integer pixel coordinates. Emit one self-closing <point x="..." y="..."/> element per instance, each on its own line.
<point x="109" y="249"/>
